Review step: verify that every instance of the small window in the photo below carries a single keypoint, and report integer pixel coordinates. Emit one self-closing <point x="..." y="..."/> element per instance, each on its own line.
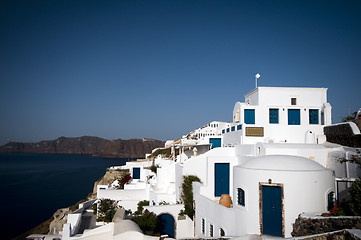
<point x="223" y="130"/>
<point x="227" y="129"/>
<point x="330" y="200"/>
<point x="239" y="127"/>
<point x="273" y="115"/>
<point x="233" y="128"/>
<point x="313" y="116"/>
<point x="240" y="197"/>
<point x="293" y="101"/>
<point x="236" y="118"/>
<point x="211" y="230"/>
<point x="203" y="225"/>
<point x="136" y="173"/>
<point x="221" y="232"/>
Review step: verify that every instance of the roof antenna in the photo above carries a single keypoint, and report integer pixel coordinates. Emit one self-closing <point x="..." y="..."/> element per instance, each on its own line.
<point x="256" y="77"/>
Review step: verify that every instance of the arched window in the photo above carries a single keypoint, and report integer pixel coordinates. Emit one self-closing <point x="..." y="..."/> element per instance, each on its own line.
<point x="330" y="200"/>
<point x="236" y="118"/>
<point x="240" y="197"/>
<point x="203" y="225"/>
<point x="221" y="232"/>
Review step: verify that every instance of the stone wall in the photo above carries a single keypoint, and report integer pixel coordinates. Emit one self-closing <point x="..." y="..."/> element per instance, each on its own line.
<point x="342" y="134"/>
<point x="337" y="235"/>
<point x="310" y="226"/>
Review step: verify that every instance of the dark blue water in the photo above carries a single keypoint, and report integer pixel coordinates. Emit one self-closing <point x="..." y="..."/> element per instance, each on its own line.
<point x="34" y="186"/>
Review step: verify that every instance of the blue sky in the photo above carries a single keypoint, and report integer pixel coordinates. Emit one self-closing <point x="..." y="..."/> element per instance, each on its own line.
<point x="159" y="69"/>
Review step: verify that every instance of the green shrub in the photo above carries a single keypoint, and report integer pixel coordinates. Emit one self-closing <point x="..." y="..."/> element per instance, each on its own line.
<point x="187" y="194"/>
<point x="141" y="204"/>
<point x="106" y="210"/>
<point x="148" y="221"/>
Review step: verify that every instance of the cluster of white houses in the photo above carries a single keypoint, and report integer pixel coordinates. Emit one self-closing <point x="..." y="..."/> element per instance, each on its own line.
<point x="273" y="160"/>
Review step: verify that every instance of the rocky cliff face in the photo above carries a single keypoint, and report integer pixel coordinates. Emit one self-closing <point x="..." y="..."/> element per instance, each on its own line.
<point x="109" y="177"/>
<point x="133" y="148"/>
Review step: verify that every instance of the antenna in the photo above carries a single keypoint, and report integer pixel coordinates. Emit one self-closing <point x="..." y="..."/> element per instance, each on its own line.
<point x="256" y="77"/>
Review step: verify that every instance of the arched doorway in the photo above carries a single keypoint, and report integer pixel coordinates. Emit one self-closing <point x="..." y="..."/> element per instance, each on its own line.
<point x="167" y="224"/>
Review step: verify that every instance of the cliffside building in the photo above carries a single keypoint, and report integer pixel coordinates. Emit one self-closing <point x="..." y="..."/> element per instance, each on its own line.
<point x="273" y="160"/>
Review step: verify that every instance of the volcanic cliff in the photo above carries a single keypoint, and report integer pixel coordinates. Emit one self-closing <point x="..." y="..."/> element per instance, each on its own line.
<point x="132" y="148"/>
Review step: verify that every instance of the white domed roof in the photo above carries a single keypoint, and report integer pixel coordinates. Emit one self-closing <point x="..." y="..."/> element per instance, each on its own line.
<point x="283" y="163"/>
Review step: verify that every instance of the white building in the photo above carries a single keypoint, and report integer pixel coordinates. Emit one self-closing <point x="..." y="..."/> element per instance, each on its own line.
<point x="274" y="149"/>
<point x="276" y="114"/>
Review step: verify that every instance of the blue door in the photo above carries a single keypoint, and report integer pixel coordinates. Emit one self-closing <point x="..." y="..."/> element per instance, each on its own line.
<point x="216" y="142"/>
<point x="221" y="179"/>
<point x="294" y="117"/>
<point x="166" y="222"/>
<point x="136" y="173"/>
<point x="272" y="210"/>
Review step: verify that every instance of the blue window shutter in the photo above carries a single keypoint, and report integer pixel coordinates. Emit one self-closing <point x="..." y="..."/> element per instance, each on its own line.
<point x="294" y="117"/>
<point x="313" y="116"/>
<point x="249" y="116"/>
<point x="273" y="115"/>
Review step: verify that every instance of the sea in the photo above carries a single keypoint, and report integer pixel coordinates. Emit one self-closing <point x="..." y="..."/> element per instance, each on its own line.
<point x="34" y="186"/>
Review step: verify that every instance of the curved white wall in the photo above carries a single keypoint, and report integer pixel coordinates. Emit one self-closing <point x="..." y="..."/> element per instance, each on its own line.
<point x="299" y="188"/>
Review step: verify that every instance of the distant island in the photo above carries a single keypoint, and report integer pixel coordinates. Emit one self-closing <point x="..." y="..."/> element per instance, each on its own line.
<point x="95" y="146"/>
